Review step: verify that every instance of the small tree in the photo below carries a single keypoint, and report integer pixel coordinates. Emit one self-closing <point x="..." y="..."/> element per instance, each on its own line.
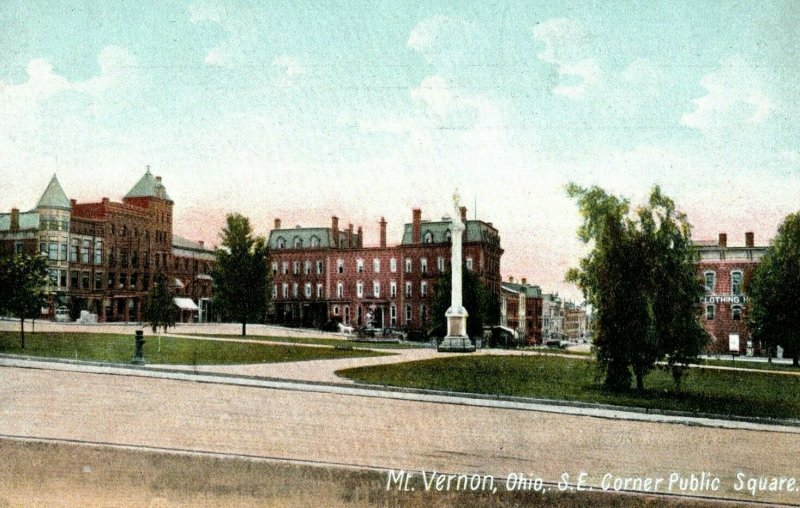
<point x="241" y="278"/>
<point x="159" y="309"/>
<point x="775" y="290"/>
<point x="23" y="282"/>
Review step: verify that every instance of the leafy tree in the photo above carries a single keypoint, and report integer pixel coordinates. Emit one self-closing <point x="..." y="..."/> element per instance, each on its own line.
<point x="241" y="278"/>
<point x="641" y="281"/>
<point x="159" y="309"/>
<point x="482" y="306"/>
<point x="23" y="281"/>
<point x="775" y="290"/>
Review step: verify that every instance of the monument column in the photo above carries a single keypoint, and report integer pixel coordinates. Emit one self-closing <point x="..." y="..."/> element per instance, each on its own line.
<point x="457" y="339"/>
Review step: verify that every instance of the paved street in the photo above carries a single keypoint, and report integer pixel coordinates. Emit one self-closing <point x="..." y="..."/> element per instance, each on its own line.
<point x="379" y="432"/>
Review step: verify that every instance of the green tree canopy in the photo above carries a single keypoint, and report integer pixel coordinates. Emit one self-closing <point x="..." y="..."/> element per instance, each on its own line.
<point x="159" y="309"/>
<point x="241" y="278"/>
<point x="482" y="306"/>
<point x="640" y="278"/>
<point x="23" y="282"/>
<point x="775" y="290"/>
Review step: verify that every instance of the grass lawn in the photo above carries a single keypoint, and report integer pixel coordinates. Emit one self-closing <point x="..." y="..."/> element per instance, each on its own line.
<point x="120" y="348"/>
<point x="744" y="364"/>
<point x="317" y="341"/>
<point x="549" y="377"/>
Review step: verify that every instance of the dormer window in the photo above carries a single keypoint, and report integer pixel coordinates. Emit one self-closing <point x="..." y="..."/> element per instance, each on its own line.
<point x="314" y="242"/>
<point x="448" y="236"/>
<point x="428" y="238"/>
<point x="298" y="242"/>
<point x="281" y="243"/>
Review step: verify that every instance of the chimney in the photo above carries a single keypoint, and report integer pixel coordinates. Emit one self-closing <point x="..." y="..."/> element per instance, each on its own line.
<point x="14" y="219"/>
<point x="350" y="236"/>
<point x="416" y="230"/>
<point x="202" y="243"/>
<point x="72" y="203"/>
<point x="105" y="201"/>
<point x="524" y="281"/>
<point x="360" y="241"/>
<point x="748" y="239"/>
<point x="158" y="179"/>
<point x="511" y="279"/>
<point x="463" y="210"/>
<point x="383" y="233"/>
<point x="277" y="223"/>
<point x="723" y="240"/>
<point x="335" y="231"/>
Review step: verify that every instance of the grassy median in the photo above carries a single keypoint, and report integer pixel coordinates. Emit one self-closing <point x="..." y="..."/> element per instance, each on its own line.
<point x="318" y="341"/>
<point x="726" y="393"/>
<point x="119" y="348"/>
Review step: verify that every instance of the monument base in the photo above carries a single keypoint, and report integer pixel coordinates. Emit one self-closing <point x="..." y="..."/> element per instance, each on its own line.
<point x="457" y="340"/>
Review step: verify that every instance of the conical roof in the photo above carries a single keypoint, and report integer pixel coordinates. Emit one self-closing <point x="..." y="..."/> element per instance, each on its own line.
<point x="54" y="196"/>
<point x="148" y="187"/>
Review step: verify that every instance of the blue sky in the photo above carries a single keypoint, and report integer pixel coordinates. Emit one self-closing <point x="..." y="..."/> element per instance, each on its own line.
<point x="299" y="111"/>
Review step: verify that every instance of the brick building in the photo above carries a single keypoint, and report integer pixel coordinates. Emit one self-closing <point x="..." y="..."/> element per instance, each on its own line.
<point x="521" y="310"/>
<point x="103" y="256"/>
<point x="725" y="271"/>
<point x="326" y="273"/>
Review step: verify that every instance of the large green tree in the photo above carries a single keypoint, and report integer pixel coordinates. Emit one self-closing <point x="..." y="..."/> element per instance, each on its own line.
<point x="775" y="290"/>
<point x="241" y="278"/>
<point x="482" y="306"/>
<point x="23" y="282"/>
<point x="640" y="279"/>
<point x="159" y="309"/>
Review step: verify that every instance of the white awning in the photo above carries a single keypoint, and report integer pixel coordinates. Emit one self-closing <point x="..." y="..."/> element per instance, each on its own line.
<point x="185" y="303"/>
<point x="179" y="284"/>
<point x="203" y="276"/>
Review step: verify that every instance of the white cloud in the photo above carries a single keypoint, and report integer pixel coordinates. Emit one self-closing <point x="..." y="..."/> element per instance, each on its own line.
<point x="436" y="93"/>
<point x="433" y="31"/>
<point x="566" y="44"/>
<point x="737" y="97"/>
<point x="290" y="69"/>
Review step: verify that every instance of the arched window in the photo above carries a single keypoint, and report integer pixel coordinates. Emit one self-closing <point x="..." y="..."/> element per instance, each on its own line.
<point x="736" y="282"/>
<point x="314" y="241"/>
<point x="736" y="312"/>
<point x="448" y="236"/>
<point x="710" y="281"/>
<point x="298" y="242"/>
<point x="428" y="238"/>
<point x="280" y="243"/>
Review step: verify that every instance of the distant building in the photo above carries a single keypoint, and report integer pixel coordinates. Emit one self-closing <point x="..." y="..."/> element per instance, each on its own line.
<point x="725" y="272"/>
<point x="521" y="310"/>
<point x="576" y="322"/>
<point x="552" y="318"/>
<point x="326" y="273"/>
<point x="103" y="256"/>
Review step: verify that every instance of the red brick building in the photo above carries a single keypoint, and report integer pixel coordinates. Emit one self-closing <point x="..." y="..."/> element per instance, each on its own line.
<point x="521" y="310"/>
<point x="725" y="271"/>
<point x="326" y="273"/>
<point x="103" y="256"/>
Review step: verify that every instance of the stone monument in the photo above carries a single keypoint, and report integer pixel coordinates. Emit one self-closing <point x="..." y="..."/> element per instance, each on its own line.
<point x="457" y="339"/>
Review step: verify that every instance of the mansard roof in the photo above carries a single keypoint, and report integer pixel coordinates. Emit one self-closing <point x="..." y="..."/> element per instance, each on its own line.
<point x="148" y="187"/>
<point x="54" y="196"/>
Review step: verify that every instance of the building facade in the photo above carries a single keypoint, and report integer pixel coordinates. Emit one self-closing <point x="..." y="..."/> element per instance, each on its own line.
<point x="103" y="257"/>
<point x="725" y="272"/>
<point x="521" y="310"/>
<point x="325" y="274"/>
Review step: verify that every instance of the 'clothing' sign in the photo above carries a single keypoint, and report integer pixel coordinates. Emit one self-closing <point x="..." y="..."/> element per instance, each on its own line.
<point x="732" y="299"/>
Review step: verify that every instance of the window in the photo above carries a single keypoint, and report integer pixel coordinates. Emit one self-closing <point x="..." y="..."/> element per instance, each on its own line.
<point x="393" y="265"/>
<point x="428" y="238"/>
<point x="314" y="241"/>
<point x="339" y="290"/>
<point x="112" y="280"/>
<point x="73" y="251"/>
<point x="736" y="283"/>
<point x="62" y="278"/>
<point x="360" y="289"/>
<point x="63" y="255"/>
<point x="85" y="280"/>
<point x="448" y="237"/>
<point x="736" y="312"/>
<point x="320" y="269"/>
<point x="408" y="314"/>
<point x="280" y="243"/>
<point x="53" y="274"/>
<point x="98" y="280"/>
<point x="123" y="231"/>
<point x="376" y="289"/>
<point x="423" y="288"/>
<point x="440" y="263"/>
<point x="360" y="265"/>
<point x="423" y="265"/>
<point x="376" y="265"/>
<point x="335" y="310"/>
<point x="308" y="267"/>
<point x="319" y="290"/>
<point x="340" y="265"/>
<point x="469" y="264"/>
<point x="285" y="267"/>
<point x="274" y="291"/>
<point x="87" y="245"/>
<point x="408" y="289"/>
<point x="308" y="290"/>
<point x="408" y="265"/>
<point x="296" y="267"/>
<point x="709" y="312"/>
<point x="98" y="254"/>
<point x="134" y="280"/>
<point x="295" y="290"/>
<point x="393" y="289"/>
<point x="73" y="279"/>
<point x="392" y="315"/>
<point x="52" y="251"/>
<point x="285" y="290"/>
<point x="710" y="281"/>
<point x="298" y="243"/>
<point x="274" y="268"/>
<point x="423" y="315"/>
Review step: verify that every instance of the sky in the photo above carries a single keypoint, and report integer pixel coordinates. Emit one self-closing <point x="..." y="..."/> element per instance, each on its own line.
<point x="303" y="110"/>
